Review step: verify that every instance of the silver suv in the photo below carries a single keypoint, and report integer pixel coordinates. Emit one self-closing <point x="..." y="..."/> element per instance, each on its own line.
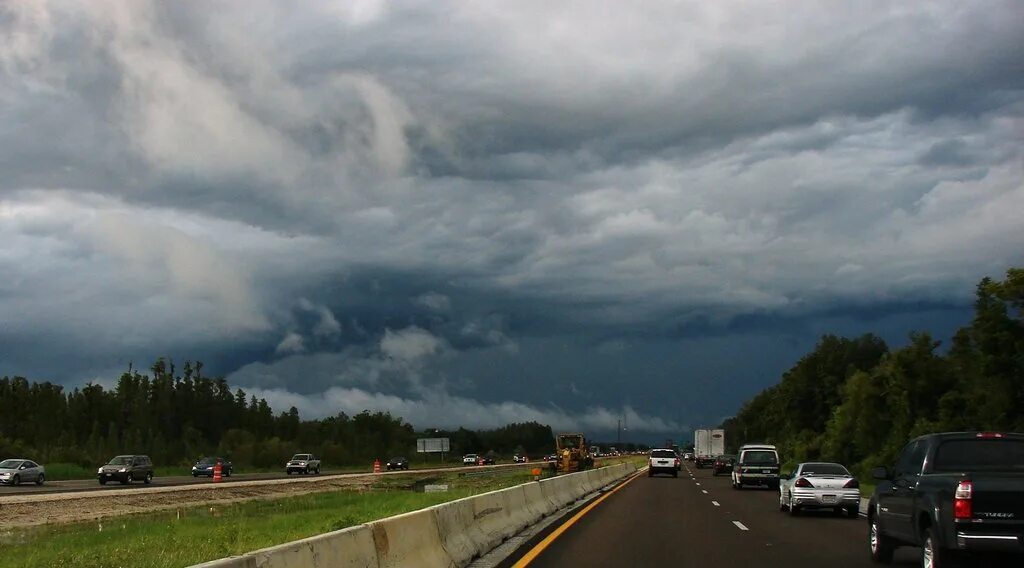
<point x="303" y="463"/>
<point x="663" y="461"/>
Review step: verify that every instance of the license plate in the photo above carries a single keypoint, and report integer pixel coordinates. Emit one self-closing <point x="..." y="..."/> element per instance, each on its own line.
<point x="828" y="498"/>
<point x="766" y="471"/>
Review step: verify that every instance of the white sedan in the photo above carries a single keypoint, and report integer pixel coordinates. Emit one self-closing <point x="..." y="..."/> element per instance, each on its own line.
<point x="820" y="485"/>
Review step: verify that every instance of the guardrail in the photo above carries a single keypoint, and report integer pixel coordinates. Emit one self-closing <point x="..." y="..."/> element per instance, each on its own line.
<point x="449" y="534"/>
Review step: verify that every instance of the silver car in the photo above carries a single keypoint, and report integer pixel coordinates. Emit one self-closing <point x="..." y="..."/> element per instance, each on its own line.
<point x="820" y="485"/>
<point x="20" y="470"/>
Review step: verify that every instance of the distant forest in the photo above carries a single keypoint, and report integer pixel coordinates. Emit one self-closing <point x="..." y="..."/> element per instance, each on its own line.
<point x="176" y="418"/>
<point x="857" y="402"/>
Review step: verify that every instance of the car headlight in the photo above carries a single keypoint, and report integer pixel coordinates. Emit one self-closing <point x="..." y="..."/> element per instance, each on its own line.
<point x="100" y="470"/>
<point x="122" y="470"/>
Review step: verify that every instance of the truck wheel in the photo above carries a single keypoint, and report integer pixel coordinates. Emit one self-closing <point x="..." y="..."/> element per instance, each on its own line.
<point x="881" y="546"/>
<point x="932" y="555"/>
<point x="148" y="479"/>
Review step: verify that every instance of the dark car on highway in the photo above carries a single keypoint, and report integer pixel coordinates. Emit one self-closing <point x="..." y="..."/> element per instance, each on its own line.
<point x="127" y="469"/>
<point x="723" y="464"/>
<point x="485" y="460"/>
<point x="205" y="466"/>
<point x="398" y="463"/>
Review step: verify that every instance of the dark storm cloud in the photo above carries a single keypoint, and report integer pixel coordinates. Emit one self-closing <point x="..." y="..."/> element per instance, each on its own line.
<point x="552" y="210"/>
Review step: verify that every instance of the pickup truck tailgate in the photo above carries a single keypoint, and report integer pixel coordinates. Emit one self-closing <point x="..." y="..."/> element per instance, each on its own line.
<point x="998" y="496"/>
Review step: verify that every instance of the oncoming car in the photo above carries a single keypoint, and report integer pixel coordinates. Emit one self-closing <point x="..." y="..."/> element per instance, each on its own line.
<point x="18" y="471"/>
<point x="820" y="485"/>
<point x="663" y="461"/>
<point x="206" y="466"/>
<point x="470" y="459"/>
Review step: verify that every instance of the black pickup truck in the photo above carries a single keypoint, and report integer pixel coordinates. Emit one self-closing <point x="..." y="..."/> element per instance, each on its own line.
<point x="952" y="494"/>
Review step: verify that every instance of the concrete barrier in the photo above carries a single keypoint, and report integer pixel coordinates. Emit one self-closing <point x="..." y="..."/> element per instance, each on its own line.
<point x="352" y="548"/>
<point x="410" y="539"/>
<point x="446" y="535"/>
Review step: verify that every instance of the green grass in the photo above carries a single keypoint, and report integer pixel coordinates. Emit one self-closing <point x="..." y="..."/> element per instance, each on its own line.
<point x="66" y="471"/>
<point x="197" y="534"/>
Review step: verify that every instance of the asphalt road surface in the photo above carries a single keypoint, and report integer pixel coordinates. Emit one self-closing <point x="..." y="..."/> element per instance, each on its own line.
<point x="93" y="485"/>
<point x="699" y="520"/>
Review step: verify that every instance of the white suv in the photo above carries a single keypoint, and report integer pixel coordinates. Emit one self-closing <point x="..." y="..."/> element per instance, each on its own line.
<point x="757" y="464"/>
<point x="663" y="461"/>
<point x="469" y="459"/>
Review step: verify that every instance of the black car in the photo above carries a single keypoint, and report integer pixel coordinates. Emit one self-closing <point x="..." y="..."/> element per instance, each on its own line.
<point x="204" y="466"/>
<point x="485" y="460"/>
<point x="724" y="464"/>
<point x="398" y="463"/>
<point x="126" y="469"/>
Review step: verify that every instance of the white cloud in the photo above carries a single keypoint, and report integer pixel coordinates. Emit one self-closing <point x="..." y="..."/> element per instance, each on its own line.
<point x="410" y="344"/>
<point x="292" y="343"/>
<point x="440" y="409"/>
<point x="434" y="301"/>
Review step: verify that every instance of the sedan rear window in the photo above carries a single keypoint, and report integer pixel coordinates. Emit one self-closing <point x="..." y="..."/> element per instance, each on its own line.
<point x="993" y="455"/>
<point x="663" y="454"/>
<point x="824" y="469"/>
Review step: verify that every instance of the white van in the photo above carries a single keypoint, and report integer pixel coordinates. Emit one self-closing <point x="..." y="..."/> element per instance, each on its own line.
<point x="756" y="464"/>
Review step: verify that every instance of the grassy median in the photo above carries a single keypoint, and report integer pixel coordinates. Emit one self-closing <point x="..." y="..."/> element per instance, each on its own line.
<point x="192" y="535"/>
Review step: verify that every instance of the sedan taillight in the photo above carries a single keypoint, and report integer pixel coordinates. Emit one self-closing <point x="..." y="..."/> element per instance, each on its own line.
<point x="852" y="484"/>
<point x="802" y="482"/>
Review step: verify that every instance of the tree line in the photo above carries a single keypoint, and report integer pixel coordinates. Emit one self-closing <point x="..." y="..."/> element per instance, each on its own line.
<point x="176" y="417"/>
<point x="856" y="401"/>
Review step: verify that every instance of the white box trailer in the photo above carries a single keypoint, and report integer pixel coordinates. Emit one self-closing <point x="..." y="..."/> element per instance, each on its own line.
<point x="707" y="444"/>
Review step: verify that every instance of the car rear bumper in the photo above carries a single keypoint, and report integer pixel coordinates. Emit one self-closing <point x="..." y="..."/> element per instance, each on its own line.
<point x="983" y="542"/>
<point x="757" y="478"/>
<point x="826" y="498"/>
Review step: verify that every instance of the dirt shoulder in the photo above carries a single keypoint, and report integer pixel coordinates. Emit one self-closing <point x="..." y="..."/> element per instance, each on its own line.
<point x="68" y="508"/>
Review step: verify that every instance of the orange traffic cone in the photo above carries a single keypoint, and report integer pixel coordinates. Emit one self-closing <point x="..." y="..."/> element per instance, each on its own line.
<point x="376" y="466"/>
<point x="217" y="471"/>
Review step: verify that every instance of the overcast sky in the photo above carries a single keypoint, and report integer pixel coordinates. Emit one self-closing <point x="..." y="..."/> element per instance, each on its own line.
<point x="474" y="213"/>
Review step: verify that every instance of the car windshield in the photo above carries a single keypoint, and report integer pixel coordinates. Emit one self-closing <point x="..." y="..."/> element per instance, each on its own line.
<point x="760" y="457"/>
<point x="121" y="460"/>
<point x="398" y="459"/>
<point x="821" y="469"/>
<point x="663" y="454"/>
<point x="987" y="454"/>
<point x="10" y="464"/>
<point x="471" y="455"/>
<point x="207" y="461"/>
<point x="300" y="457"/>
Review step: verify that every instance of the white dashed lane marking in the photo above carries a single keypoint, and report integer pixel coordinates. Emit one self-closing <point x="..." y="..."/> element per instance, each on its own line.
<point x="705" y="491"/>
<point x="715" y="503"/>
<point x="740" y="526"/>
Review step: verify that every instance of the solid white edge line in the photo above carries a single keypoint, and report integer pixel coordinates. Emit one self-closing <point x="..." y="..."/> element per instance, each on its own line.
<point x="740" y="526"/>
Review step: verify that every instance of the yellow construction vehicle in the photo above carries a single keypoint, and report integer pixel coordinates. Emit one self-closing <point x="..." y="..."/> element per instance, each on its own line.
<point x="572" y="454"/>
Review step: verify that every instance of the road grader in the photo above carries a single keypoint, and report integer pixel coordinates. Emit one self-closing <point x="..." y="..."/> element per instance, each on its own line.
<point x="572" y="454"/>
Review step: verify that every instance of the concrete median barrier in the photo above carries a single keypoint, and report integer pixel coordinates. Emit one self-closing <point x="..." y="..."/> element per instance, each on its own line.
<point x="447" y="535"/>
<point x="410" y="539"/>
<point x="349" y="548"/>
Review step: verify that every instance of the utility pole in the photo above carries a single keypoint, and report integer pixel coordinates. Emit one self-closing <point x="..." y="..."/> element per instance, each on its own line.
<point x="618" y="434"/>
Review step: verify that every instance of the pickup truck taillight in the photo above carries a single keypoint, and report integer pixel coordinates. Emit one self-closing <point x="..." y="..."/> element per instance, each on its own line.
<point x="677" y="462"/>
<point x="852" y="484"/>
<point x="802" y="482"/>
<point x="962" y="500"/>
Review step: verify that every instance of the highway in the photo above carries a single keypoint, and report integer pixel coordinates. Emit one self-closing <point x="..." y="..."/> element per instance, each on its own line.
<point x="699" y="520"/>
<point x="90" y="485"/>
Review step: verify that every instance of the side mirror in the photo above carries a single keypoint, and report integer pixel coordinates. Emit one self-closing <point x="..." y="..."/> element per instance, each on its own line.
<point x="881" y="473"/>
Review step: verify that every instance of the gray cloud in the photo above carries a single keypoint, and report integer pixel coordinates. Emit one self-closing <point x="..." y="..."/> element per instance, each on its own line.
<point x="459" y="183"/>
